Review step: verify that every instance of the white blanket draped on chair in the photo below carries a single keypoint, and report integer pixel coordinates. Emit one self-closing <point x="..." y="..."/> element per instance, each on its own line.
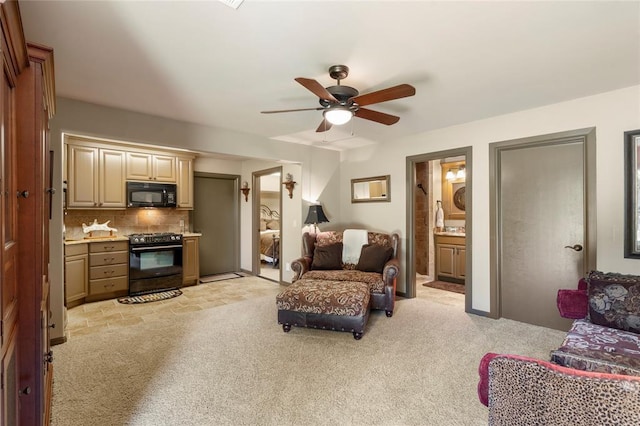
<point x="352" y="242"/>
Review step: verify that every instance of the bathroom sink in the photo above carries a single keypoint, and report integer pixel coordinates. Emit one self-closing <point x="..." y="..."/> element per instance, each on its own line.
<point x="451" y="234"/>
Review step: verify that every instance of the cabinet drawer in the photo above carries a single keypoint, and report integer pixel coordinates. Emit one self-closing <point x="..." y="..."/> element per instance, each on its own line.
<point x="99" y="259"/>
<point x="108" y="285"/>
<point x="108" y="246"/>
<point x="109" y="271"/>
<point x="75" y="249"/>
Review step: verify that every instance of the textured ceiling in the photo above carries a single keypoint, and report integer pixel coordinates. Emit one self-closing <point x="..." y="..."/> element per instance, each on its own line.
<point x="206" y="63"/>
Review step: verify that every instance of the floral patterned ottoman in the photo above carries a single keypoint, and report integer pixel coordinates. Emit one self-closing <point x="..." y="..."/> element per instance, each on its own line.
<point x="325" y="304"/>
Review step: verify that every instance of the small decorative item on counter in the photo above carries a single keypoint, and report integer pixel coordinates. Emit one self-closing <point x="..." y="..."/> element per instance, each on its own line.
<point x="95" y="226"/>
<point x="439" y="217"/>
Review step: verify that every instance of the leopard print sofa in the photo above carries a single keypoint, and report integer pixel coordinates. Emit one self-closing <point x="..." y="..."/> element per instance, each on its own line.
<point x="526" y="391"/>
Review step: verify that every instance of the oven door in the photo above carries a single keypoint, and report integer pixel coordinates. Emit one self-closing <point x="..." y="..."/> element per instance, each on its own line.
<point x="154" y="268"/>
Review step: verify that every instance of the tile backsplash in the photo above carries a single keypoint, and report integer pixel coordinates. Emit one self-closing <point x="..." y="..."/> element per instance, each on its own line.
<point x="129" y="221"/>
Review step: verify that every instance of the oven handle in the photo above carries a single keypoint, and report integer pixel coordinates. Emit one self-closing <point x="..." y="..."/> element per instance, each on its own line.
<point x="154" y="248"/>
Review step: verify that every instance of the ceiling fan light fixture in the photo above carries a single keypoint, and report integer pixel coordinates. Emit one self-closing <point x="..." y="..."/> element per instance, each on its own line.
<point x="338" y="115"/>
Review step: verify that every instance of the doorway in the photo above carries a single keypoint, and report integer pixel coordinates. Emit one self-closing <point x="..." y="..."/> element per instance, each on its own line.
<point x="428" y="183"/>
<point x="267" y="208"/>
<point x="542" y="218"/>
<point x="216" y="216"/>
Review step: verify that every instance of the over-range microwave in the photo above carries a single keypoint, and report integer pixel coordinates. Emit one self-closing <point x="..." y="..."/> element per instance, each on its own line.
<point x="150" y="194"/>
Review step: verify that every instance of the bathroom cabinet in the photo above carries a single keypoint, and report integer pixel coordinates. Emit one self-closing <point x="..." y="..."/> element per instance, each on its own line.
<point x="450" y="258"/>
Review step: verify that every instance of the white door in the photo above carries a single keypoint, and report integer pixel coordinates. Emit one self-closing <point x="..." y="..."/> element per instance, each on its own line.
<point x="541" y="228"/>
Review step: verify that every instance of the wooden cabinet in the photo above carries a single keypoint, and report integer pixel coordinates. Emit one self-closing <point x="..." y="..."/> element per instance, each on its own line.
<point x="190" y="260"/>
<point x="159" y="168"/>
<point x="26" y="163"/>
<point x="111" y="179"/>
<point x="185" y="183"/>
<point x="96" y="177"/>
<point x="97" y="172"/>
<point x="450" y="258"/>
<point x="76" y="274"/>
<point x="108" y="270"/>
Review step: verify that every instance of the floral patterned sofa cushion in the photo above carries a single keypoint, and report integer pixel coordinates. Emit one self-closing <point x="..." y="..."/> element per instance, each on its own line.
<point x="344" y="298"/>
<point x="372" y="279"/>
<point x="614" y="300"/>
<point x="593" y="347"/>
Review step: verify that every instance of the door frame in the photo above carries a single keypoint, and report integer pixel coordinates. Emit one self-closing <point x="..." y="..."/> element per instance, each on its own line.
<point x="588" y="137"/>
<point x="410" y="277"/>
<point x="255" y="221"/>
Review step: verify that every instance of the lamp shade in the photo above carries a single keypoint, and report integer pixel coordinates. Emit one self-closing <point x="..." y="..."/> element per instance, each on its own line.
<point x="338" y="115"/>
<point x="315" y="215"/>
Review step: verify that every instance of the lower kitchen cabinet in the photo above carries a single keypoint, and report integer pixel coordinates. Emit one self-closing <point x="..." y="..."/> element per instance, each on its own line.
<point x="450" y="258"/>
<point x="108" y="270"/>
<point x="190" y="260"/>
<point x="95" y="271"/>
<point x="76" y="274"/>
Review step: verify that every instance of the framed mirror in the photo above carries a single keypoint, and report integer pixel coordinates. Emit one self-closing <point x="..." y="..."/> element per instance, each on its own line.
<point x="367" y="190"/>
<point x="632" y="194"/>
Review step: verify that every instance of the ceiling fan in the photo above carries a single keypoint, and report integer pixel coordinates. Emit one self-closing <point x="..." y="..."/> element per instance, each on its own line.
<point x="341" y="103"/>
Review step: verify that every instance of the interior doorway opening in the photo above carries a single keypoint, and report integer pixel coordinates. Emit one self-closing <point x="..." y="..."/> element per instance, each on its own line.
<point x="439" y="223"/>
<point x="267" y="217"/>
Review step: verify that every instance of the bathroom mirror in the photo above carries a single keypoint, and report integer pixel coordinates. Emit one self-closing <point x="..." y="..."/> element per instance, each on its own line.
<point x="632" y="194"/>
<point x="366" y="190"/>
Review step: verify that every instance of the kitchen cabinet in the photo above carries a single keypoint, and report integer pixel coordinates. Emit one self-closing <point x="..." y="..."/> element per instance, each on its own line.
<point x="96" y="177"/>
<point x="450" y="258"/>
<point x="76" y="274"/>
<point x="145" y="167"/>
<point x="185" y="183"/>
<point x="190" y="260"/>
<point x="108" y="270"/>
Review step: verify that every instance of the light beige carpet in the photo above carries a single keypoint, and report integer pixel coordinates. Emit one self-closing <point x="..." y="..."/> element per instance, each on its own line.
<point x="233" y="365"/>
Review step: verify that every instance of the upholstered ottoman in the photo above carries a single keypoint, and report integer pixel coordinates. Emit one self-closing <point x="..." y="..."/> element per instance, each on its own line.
<point x="332" y="305"/>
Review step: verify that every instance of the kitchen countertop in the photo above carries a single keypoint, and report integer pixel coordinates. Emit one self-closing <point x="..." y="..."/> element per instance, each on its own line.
<point x="118" y="238"/>
<point x="96" y="240"/>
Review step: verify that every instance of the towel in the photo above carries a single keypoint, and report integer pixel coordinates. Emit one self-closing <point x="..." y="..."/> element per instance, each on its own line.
<point x="352" y="242"/>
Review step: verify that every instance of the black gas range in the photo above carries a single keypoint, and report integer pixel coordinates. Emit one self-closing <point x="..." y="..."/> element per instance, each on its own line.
<point x="154" y="239"/>
<point x="155" y="262"/>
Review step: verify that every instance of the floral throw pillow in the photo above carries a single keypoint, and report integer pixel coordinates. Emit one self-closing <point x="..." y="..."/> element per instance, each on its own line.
<point x="614" y="300"/>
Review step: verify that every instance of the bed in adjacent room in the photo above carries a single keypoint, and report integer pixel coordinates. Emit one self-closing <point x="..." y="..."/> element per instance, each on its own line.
<point x="269" y="235"/>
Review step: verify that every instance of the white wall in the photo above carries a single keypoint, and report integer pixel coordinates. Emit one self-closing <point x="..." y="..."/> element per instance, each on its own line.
<point x="612" y="113"/>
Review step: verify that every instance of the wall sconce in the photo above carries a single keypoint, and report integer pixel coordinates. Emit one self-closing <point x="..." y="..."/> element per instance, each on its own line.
<point x="245" y="190"/>
<point x="289" y="184"/>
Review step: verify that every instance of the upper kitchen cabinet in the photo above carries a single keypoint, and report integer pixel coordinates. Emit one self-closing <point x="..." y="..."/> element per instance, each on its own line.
<point x="185" y="183"/>
<point x="96" y="177"/>
<point x="145" y="167"/>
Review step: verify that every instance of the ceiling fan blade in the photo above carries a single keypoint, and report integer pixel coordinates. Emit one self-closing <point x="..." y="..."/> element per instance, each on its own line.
<point x="324" y="126"/>
<point x="316" y="88"/>
<point x="291" y="110"/>
<point x="379" y="117"/>
<point x="395" y="92"/>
